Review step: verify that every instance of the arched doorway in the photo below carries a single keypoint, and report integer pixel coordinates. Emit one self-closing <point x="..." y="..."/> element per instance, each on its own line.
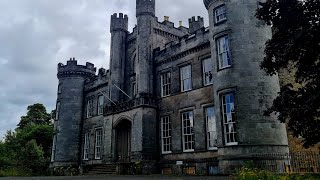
<point x="123" y="141"/>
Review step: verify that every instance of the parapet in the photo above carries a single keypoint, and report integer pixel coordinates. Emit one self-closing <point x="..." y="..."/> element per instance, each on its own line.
<point x="73" y="69"/>
<point x="119" y="23"/>
<point x="208" y="2"/>
<point x="195" y="25"/>
<point x="186" y="45"/>
<point x="145" y="7"/>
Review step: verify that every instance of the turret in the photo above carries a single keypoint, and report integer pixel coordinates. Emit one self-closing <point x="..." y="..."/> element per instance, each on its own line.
<point x="145" y="18"/>
<point x="145" y="7"/>
<point x="242" y="91"/>
<point x="195" y="25"/>
<point x="119" y="31"/>
<point x="69" y="112"/>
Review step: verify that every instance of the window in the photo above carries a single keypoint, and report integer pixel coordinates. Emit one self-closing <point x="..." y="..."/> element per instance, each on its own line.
<point x="207" y="71"/>
<point x="57" y="110"/>
<point x="86" y="146"/>
<point x="134" y="89"/>
<point x="165" y="84"/>
<point x="187" y="131"/>
<point x="100" y="104"/>
<point x="98" y="145"/>
<point x="211" y="128"/>
<point x="229" y="119"/>
<point x="224" y="59"/>
<point x="185" y="77"/>
<point x="89" y="108"/>
<point x="59" y="88"/>
<point x="220" y="14"/>
<point x="53" y="152"/>
<point x="166" y="134"/>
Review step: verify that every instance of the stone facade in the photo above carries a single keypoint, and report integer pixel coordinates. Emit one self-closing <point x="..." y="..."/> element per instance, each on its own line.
<point x="191" y="99"/>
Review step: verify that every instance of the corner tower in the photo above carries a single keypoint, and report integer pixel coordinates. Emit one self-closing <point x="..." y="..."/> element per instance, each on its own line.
<point x="67" y="139"/>
<point x="242" y="91"/>
<point x="119" y="31"/>
<point x="145" y="10"/>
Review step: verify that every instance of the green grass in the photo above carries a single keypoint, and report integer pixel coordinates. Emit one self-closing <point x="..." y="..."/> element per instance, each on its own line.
<point x="11" y="172"/>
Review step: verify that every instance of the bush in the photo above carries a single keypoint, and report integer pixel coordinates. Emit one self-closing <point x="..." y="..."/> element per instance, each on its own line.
<point x="13" y="172"/>
<point x="246" y="173"/>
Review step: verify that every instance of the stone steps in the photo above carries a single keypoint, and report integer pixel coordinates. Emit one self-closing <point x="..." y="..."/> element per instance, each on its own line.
<point x="101" y="170"/>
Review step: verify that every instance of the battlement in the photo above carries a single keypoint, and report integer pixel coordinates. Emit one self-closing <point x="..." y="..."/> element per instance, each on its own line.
<point x="145" y="7"/>
<point x="73" y="69"/>
<point x="119" y="23"/>
<point x="200" y="39"/>
<point x="195" y="24"/>
<point x="208" y="2"/>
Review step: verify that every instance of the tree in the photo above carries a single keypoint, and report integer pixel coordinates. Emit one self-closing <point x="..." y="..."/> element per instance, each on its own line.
<point x="295" y="47"/>
<point x="37" y="114"/>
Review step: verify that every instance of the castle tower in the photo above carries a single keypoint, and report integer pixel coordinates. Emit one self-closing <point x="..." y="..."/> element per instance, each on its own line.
<point x="195" y="25"/>
<point x="242" y="91"/>
<point x="119" y="30"/>
<point x="69" y="111"/>
<point x="145" y="12"/>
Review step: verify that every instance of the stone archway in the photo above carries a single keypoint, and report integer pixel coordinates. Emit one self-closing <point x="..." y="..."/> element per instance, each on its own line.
<point x="123" y="141"/>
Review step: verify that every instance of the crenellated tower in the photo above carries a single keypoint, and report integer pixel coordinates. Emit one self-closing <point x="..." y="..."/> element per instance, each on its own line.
<point x="145" y="12"/>
<point x="195" y="25"/>
<point x="69" y="111"/>
<point x="119" y="31"/>
<point x="242" y="91"/>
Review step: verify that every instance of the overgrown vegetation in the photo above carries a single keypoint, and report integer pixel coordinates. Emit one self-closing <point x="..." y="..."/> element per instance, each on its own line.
<point x="295" y="47"/>
<point x="248" y="172"/>
<point x="26" y="151"/>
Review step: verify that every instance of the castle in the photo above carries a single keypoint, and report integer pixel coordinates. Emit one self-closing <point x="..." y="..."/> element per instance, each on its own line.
<point x="174" y="99"/>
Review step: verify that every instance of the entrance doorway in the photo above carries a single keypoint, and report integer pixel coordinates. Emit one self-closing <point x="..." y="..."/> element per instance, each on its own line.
<point x="123" y="141"/>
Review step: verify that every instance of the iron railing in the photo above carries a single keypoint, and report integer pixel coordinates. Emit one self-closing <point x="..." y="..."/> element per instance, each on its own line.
<point x="131" y="104"/>
<point x="296" y="162"/>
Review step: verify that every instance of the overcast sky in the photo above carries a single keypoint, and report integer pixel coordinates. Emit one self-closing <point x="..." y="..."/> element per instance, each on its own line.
<point x="35" y="35"/>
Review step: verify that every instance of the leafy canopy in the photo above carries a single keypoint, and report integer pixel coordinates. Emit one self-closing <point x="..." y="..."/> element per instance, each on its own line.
<point x="37" y="114"/>
<point x="295" y="47"/>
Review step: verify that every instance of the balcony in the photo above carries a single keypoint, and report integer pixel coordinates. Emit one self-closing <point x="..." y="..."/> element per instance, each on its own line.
<point x="132" y="104"/>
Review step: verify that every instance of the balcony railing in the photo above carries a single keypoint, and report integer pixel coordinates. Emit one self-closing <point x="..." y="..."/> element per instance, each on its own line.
<point x="134" y="103"/>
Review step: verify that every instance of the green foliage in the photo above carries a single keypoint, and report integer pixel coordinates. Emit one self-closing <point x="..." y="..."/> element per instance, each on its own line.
<point x="27" y="151"/>
<point x="32" y="153"/>
<point x="37" y="114"/>
<point x="64" y="171"/>
<point x="249" y="172"/>
<point x="295" y="46"/>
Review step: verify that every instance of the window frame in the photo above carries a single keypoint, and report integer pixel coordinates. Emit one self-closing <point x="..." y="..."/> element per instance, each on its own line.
<point x="191" y="135"/>
<point x="89" y="108"/>
<point x="100" y="107"/>
<point x="208" y="133"/>
<point x="216" y="15"/>
<point x="226" y="51"/>
<point x="168" y="136"/>
<point x="165" y="87"/>
<point x="60" y="88"/>
<point x="134" y="88"/>
<point x="58" y="107"/>
<point x="98" y="146"/>
<point x="86" y="146"/>
<point x="54" y="148"/>
<point x="204" y="76"/>
<point x="182" y="79"/>
<point x="225" y="121"/>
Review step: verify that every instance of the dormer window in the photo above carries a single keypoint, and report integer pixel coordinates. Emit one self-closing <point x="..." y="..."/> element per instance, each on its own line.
<point x="220" y="14"/>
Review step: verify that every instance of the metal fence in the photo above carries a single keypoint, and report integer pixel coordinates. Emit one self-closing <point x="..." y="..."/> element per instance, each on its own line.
<point x="300" y="162"/>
